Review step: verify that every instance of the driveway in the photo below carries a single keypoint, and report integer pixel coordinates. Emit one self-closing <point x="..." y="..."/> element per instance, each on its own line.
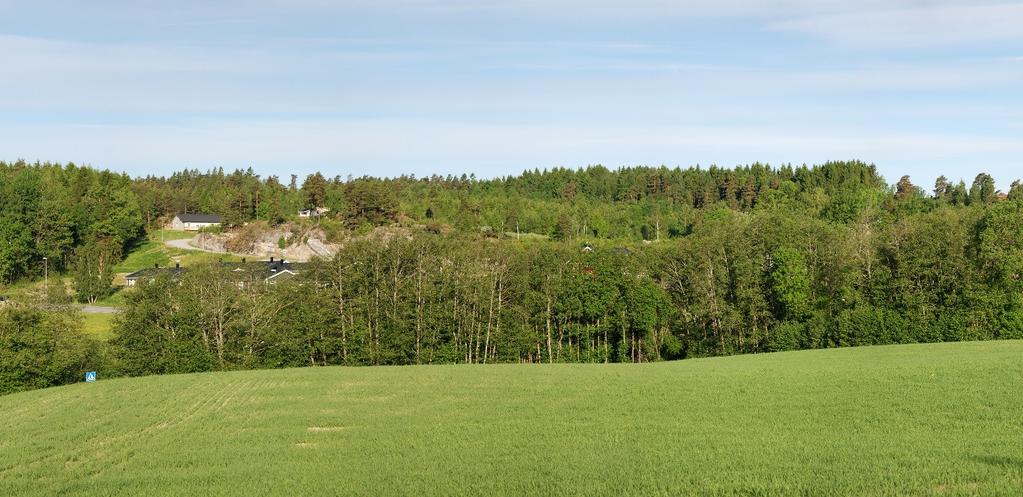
<point x="186" y="244"/>
<point x="99" y="309"/>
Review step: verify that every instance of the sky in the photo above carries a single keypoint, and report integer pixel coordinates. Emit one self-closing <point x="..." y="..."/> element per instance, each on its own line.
<point x="390" y="87"/>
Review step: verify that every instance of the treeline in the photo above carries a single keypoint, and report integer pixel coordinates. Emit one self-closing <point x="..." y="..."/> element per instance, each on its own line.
<point x="777" y="278"/>
<point x="595" y="202"/>
<point x="65" y="218"/>
<point x="642" y="264"/>
<point x="51" y="210"/>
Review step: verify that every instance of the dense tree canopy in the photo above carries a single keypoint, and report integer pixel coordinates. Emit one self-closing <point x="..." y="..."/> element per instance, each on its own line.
<point x="50" y="211"/>
<point x="591" y="265"/>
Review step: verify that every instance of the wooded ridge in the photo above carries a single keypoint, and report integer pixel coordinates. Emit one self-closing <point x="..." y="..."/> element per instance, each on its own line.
<point x="591" y="265"/>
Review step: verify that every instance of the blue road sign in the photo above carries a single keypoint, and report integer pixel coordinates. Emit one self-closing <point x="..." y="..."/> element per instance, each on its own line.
<point x="90" y="376"/>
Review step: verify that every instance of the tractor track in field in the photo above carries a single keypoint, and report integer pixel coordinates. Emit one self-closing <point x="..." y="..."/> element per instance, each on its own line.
<point x="100" y="449"/>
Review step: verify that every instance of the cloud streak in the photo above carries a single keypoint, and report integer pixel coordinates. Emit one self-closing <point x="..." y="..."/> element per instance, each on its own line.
<point x="424" y="86"/>
<point x="923" y="26"/>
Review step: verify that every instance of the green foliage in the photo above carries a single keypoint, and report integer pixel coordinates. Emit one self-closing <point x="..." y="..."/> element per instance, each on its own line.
<point x="631" y="203"/>
<point x="315" y="190"/>
<point x="983" y="189"/>
<point x="589" y="265"/>
<point x="790" y="284"/>
<point x="41" y="348"/>
<point x="15" y="250"/>
<point x="156" y="335"/>
<point x="786" y="336"/>
<point x="370" y="202"/>
<point x="1016" y="191"/>
<point x="57" y="294"/>
<point x="49" y="211"/>
<point x="94" y="269"/>
<point x="1001" y="243"/>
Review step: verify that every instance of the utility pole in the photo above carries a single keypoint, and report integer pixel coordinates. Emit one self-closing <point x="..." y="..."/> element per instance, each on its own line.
<point x="46" y="272"/>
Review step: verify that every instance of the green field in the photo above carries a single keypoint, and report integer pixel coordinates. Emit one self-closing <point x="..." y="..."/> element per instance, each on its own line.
<point x="99" y="325"/>
<point x="154" y="251"/>
<point x="941" y="419"/>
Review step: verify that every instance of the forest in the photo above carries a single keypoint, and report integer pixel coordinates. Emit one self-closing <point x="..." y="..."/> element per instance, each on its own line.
<point x="590" y="265"/>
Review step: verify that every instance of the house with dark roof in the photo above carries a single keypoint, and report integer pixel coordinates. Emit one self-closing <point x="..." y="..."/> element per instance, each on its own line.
<point x="151" y="273"/>
<point x="242" y="273"/>
<point x="195" y="222"/>
<point x="270" y="272"/>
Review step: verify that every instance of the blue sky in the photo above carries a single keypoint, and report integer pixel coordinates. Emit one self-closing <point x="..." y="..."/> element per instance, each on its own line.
<point x="386" y="87"/>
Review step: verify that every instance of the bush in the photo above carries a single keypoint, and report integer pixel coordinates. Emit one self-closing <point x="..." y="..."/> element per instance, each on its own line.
<point x="41" y="349"/>
<point x="671" y="347"/>
<point x="246" y="237"/>
<point x="787" y="335"/>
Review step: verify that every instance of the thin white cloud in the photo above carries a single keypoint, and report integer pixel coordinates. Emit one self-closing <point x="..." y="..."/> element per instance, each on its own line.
<point x="45" y="57"/>
<point x="480" y="98"/>
<point x="601" y="8"/>
<point x="921" y="26"/>
<point x="168" y="78"/>
<point x="241" y="12"/>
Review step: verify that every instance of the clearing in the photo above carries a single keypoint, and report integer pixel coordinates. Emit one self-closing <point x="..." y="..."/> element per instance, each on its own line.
<point x="937" y="419"/>
<point x="173" y="249"/>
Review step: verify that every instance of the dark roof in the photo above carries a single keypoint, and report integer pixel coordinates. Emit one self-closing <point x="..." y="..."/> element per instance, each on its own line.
<point x="240" y="271"/>
<point x="199" y="218"/>
<point x="261" y="269"/>
<point x="153" y="272"/>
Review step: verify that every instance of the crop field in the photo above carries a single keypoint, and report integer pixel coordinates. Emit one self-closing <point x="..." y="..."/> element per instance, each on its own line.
<point x="941" y="420"/>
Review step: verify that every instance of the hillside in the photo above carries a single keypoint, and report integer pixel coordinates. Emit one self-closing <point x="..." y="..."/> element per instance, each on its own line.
<point x="940" y="419"/>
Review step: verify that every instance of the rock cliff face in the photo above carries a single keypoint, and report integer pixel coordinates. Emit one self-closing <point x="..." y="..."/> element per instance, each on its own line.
<point x="299" y="245"/>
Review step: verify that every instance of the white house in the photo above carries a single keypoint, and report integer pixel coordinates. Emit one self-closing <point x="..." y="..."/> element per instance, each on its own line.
<point x="195" y="222"/>
<point x="317" y="212"/>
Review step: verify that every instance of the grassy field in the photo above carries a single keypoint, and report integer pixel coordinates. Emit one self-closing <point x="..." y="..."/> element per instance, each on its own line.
<point x="172" y="235"/>
<point x="154" y="251"/>
<point x="941" y="420"/>
<point x="99" y="325"/>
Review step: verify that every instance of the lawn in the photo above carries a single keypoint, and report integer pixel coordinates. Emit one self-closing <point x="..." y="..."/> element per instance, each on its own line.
<point x="930" y="420"/>
<point x="171" y="235"/>
<point x="98" y="325"/>
<point x="153" y="251"/>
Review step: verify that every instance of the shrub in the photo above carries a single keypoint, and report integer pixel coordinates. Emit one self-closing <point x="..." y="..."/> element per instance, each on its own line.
<point x="41" y="349"/>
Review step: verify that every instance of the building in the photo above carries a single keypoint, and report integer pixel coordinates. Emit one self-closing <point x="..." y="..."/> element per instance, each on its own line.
<point x="317" y="212"/>
<point x="195" y="222"/>
<point x="241" y="273"/>
<point x="269" y="272"/>
<point x="151" y="273"/>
